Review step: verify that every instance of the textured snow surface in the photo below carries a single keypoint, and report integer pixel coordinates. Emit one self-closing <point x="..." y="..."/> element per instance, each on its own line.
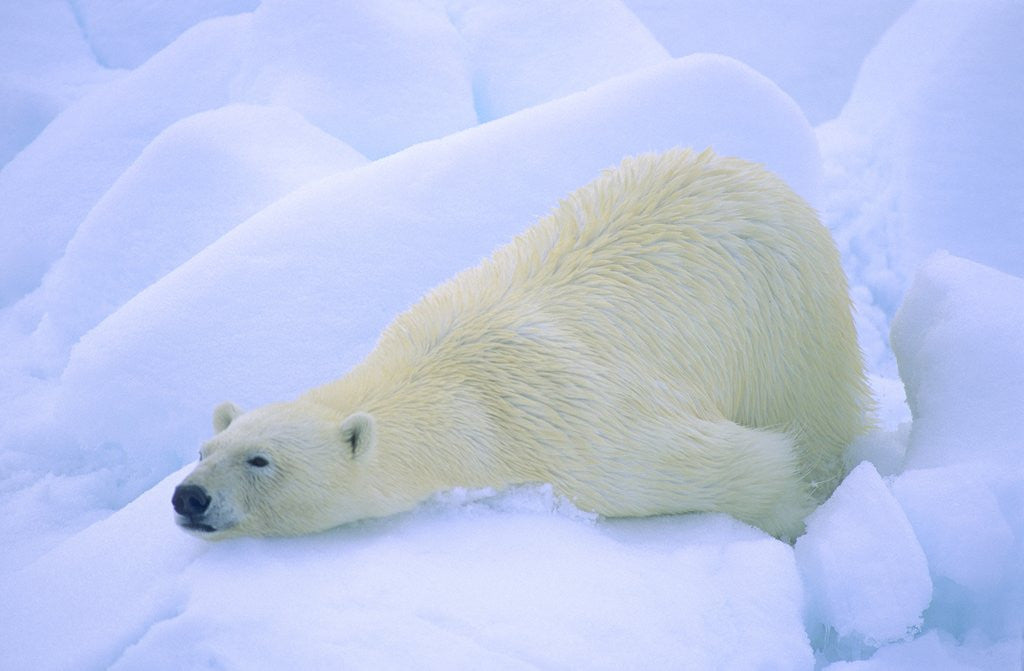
<point x="230" y="199"/>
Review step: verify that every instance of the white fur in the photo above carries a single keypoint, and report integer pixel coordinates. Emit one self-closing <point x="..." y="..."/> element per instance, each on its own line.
<point x="676" y="336"/>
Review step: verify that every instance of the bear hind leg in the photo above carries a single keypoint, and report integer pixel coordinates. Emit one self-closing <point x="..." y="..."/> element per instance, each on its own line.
<point x="752" y="474"/>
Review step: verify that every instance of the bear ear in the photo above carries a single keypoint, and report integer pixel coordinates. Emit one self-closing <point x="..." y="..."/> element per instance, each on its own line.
<point x="359" y="433"/>
<point x="224" y="414"/>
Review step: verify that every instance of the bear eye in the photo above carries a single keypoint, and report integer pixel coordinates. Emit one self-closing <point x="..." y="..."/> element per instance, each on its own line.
<point x="258" y="462"/>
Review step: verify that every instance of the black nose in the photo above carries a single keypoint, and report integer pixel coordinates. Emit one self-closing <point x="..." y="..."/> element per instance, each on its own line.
<point x="190" y="500"/>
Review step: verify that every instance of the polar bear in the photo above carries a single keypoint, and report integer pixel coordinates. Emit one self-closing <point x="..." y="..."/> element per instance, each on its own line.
<point x="675" y="336"/>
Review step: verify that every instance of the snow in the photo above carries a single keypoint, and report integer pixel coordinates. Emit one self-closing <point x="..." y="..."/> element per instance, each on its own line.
<point x="198" y="179"/>
<point x="952" y="305"/>
<point x="516" y="580"/>
<point x="45" y="198"/>
<point x="813" y="50"/>
<point x="964" y="449"/>
<point x="865" y="573"/>
<point x="525" y="53"/>
<point x="126" y="39"/>
<point x="47" y="65"/>
<point x="230" y="199"/>
<point x="925" y="154"/>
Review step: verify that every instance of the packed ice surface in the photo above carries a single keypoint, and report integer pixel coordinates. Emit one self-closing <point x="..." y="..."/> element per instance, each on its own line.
<point x="203" y="201"/>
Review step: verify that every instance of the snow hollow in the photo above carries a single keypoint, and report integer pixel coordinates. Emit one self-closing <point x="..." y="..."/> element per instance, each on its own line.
<point x="229" y="199"/>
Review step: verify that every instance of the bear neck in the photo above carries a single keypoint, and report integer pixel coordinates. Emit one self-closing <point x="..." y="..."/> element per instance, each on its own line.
<point x="430" y="437"/>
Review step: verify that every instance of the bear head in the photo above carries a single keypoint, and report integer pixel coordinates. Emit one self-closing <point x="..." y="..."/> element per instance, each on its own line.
<point x="280" y="470"/>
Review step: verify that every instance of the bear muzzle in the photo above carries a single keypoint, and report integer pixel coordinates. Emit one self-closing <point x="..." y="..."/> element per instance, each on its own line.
<point x="191" y="503"/>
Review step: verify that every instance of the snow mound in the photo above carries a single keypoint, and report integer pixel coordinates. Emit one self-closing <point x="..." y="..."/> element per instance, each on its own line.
<point x="812" y="50"/>
<point x="49" y="188"/>
<point x="526" y="53"/>
<point x="925" y="155"/>
<point x="965" y="398"/>
<point x="293" y="55"/>
<point x="124" y="35"/>
<point x="45" y="65"/>
<point x="194" y="182"/>
<point x="973" y="550"/>
<point x="958" y="341"/>
<point x="517" y="580"/>
<point x="937" y="651"/>
<point x="864" y="571"/>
